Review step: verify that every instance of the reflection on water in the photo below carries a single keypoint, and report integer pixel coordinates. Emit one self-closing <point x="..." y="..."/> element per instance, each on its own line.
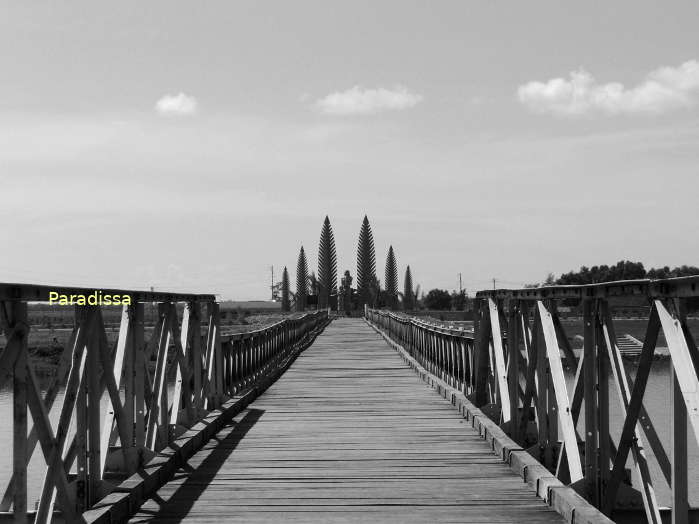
<point x="657" y="402"/>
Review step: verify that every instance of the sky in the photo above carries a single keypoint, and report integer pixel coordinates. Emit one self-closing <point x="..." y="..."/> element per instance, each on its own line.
<point x="191" y="146"/>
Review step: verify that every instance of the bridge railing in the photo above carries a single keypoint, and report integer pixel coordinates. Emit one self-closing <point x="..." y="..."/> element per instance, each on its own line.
<point x="446" y="353"/>
<point x="514" y="372"/>
<point x="109" y="407"/>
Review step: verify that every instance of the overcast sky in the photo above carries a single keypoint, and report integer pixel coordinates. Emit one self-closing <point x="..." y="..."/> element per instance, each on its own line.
<point x="190" y="146"/>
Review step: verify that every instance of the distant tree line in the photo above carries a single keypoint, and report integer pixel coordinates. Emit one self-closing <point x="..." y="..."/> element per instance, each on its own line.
<point x="622" y="270"/>
<point x="443" y="300"/>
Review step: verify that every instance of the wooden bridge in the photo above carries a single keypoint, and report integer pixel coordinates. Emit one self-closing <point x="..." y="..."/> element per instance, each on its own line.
<point x="315" y="418"/>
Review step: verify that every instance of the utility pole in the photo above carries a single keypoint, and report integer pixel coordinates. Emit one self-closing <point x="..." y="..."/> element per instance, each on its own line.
<point x="460" y="287"/>
<point x="272" y="287"/>
<point x="493" y="283"/>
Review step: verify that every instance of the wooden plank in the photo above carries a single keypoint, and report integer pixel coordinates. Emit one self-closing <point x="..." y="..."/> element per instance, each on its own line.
<point x="559" y="387"/>
<point x="679" y="485"/>
<point x="380" y="447"/>
<point x="682" y="363"/>
<point x="500" y="371"/>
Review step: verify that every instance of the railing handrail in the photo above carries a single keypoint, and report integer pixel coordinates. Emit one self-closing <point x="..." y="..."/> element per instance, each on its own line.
<point x="40" y="293"/>
<point x="242" y="335"/>
<point x="423" y="324"/>
<point x="676" y="287"/>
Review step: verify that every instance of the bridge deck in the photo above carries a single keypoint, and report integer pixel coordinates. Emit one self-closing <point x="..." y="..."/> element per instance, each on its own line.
<point x="347" y="434"/>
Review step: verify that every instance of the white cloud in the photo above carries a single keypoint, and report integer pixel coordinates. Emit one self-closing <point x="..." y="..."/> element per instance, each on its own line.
<point x="664" y="89"/>
<point x="179" y="104"/>
<point x="361" y="101"/>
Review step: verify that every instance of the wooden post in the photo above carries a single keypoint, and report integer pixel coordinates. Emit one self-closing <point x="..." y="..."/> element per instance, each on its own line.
<point x="128" y="380"/>
<point x="119" y="363"/>
<point x="482" y="356"/>
<point x="81" y="446"/>
<point x="541" y="382"/>
<point x="157" y="412"/>
<point x="94" y="397"/>
<point x="20" y="323"/>
<point x="590" y="399"/>
<point x="679" y="485"/>
<point x="603" y="402"/>
<point x="530" y="377"/>
<point x="682" y="363"/>
<point x="138" y="348"/>
<point x="513" y="365"/>
<point x="499" y="368"/>
<point x="196" y="356"/>
<point x="218" y="356"/>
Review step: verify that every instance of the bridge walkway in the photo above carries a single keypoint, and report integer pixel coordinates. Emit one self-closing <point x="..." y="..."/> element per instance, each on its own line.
<point x="348" y="434"/>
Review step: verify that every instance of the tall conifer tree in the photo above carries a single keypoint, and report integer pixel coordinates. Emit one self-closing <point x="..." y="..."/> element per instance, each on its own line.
<point x="327" y="265"/>
<point x="286" y="304"/>
<point x="391" y="281"/>
<point x="301" y="281"/>
<point x="366" y="265"/>
<point x="408" y="295"/>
